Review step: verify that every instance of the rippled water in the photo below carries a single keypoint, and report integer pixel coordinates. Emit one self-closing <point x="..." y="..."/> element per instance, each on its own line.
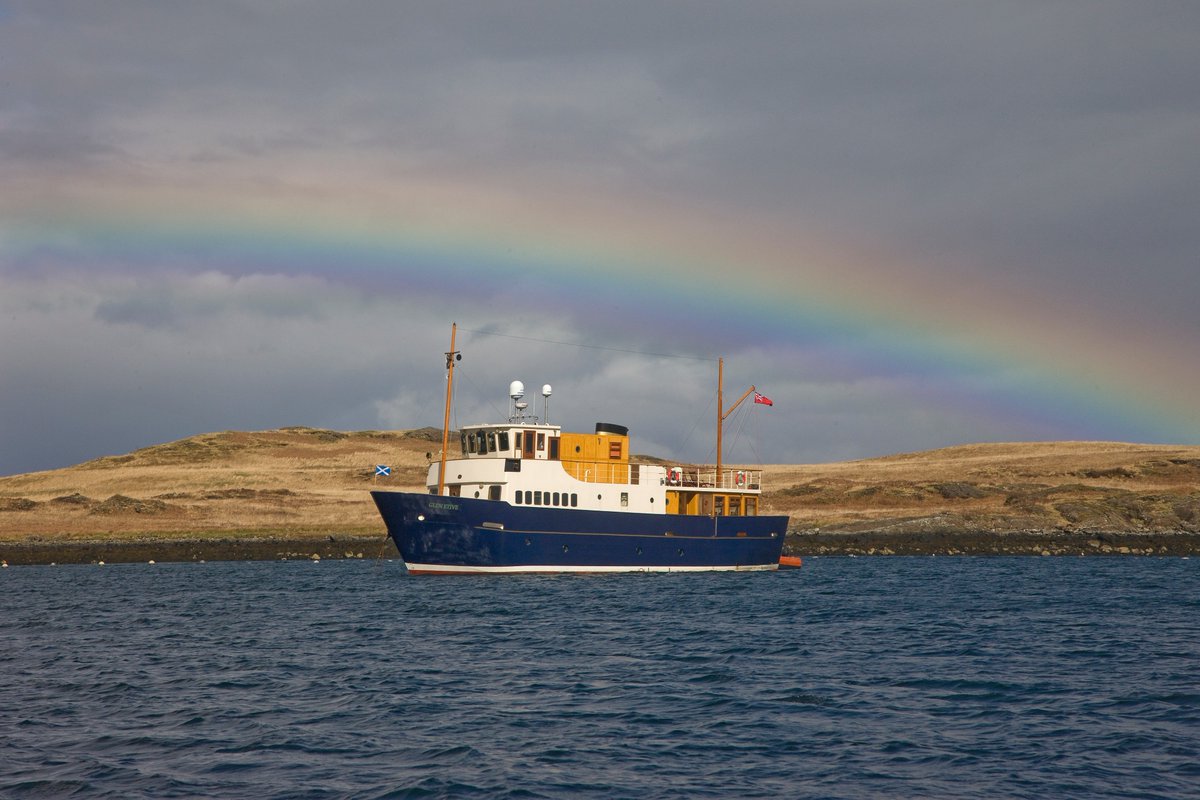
<point x="884" y="677"/>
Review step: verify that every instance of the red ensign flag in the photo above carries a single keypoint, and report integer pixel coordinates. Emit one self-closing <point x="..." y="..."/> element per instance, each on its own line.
<point x="762" y="398"/>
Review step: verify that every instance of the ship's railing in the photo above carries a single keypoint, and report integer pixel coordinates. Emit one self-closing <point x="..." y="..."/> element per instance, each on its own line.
<point x="602" y="471"/>
<point x="731" y="479"/>
<point x="734" y="478"/>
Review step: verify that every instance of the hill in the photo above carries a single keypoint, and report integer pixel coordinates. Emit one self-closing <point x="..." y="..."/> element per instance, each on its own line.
<point x="292" y="482"/>
<point x="300" y="484"/>
<point x="1061" y="485"/>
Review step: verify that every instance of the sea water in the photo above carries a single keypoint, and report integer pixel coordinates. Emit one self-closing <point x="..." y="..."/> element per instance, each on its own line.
<point x="850" y="678"/>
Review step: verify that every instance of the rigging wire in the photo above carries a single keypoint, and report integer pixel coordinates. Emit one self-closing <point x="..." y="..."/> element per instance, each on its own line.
<point x="477" y="391"/>
<point x="587" y="346"/>
<point x="696" y="422"/>
<point x="746" y="418"/>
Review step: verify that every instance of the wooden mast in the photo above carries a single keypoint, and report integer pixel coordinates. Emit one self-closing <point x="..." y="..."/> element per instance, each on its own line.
<point x="721" y="414"/>
<point x="451" y="357"/>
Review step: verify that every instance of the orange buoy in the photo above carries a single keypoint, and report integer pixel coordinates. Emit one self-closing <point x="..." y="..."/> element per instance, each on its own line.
<point x="789" y="562"/>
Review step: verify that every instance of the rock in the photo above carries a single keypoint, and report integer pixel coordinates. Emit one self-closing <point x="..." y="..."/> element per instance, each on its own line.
<point x="74" y="499"/>
<point x="120" y="504"/>
<point x="18" y="504"/>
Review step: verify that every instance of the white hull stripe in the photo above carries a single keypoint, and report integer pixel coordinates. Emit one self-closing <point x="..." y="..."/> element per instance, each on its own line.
<point x="542" y="568"/>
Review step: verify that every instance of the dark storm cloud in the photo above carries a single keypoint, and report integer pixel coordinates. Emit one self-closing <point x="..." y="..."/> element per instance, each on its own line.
<point x="1046" y="147"/>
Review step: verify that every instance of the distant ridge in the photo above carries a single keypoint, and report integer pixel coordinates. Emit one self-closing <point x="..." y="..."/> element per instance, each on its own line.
<point x="298" y="482"/>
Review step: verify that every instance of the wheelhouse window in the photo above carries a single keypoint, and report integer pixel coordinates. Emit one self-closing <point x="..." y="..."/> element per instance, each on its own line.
<point x="504" y="441"/>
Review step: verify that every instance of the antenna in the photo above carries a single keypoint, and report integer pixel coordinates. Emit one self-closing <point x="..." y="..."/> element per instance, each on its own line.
<point x="516" y="390"/>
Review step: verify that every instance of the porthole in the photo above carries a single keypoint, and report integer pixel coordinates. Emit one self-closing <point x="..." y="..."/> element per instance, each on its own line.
<point x="680" y="551"/>
<point x="477" y="493"/>
<point x="639" y="551"/>
<point x="527" y="542"/>
<point x="564" y="548"/>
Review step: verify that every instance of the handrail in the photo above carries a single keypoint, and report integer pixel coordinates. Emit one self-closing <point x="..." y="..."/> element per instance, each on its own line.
<point x="600" y="471"/>
<point x="690" y="477"/>
<point x="739" y="480"/>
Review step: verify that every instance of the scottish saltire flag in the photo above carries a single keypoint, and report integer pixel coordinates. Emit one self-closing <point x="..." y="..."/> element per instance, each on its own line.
<point x="382" y="469"/>
<point x="762" y="399"/>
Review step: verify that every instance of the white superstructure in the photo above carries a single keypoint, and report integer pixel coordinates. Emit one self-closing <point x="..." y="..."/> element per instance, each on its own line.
<point x="525" y="462"/>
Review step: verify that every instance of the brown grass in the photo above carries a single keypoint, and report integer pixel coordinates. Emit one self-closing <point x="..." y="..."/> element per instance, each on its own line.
<point x="289" y="482"/>
<point x="310" y="482"/>
<point x="1059" y="485"/>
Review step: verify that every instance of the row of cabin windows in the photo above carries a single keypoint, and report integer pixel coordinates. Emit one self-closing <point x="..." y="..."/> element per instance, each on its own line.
<point x="484" y="442"/>
<point x="455" y="490"/>
<point x="734" y="506"/>
<point x="546" y="498"/>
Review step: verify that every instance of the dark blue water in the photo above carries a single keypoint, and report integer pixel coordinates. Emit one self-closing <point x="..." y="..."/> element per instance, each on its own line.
<point x="850" y="678"/>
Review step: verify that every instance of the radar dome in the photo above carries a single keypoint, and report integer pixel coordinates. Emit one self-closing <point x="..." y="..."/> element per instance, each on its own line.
<point x="546" y="390"/>
<point x="516" y="390"/>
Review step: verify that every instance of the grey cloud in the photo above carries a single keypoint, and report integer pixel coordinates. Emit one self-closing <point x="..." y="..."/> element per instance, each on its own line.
<point x="1054" y="143"/>
<point x="181" y="301"/>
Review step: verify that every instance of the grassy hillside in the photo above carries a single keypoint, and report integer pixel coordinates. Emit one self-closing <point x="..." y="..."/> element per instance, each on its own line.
<point x="1063" y="486"/>
<point x="301" y="482"/>
<point x="289" y="482"/>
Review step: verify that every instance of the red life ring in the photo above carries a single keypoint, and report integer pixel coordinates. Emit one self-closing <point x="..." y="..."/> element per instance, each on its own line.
<point x="674" y="476"/>
<point x="740" y="478"/>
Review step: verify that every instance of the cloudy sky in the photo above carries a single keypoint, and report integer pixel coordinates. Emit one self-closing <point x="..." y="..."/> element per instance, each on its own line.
<point x="910" y="224"/>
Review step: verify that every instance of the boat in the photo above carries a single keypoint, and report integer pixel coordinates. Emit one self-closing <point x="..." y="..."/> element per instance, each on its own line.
<point x="525" y="496"/>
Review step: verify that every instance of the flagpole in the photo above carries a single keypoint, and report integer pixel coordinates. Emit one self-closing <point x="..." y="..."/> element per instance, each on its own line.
<point x="451" y="357"/>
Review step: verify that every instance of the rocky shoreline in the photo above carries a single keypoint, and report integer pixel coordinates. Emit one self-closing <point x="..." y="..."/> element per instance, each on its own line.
<point x="222" y="549"/>
<point x="992" y="543"/>
<point x="799" y="543"/>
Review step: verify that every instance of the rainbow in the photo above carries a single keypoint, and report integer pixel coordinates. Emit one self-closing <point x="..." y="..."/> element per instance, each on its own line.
<point x="669" y="280"/>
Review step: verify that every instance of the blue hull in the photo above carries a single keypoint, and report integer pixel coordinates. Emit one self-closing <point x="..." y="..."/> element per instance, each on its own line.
<point x="457" y="534"/>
